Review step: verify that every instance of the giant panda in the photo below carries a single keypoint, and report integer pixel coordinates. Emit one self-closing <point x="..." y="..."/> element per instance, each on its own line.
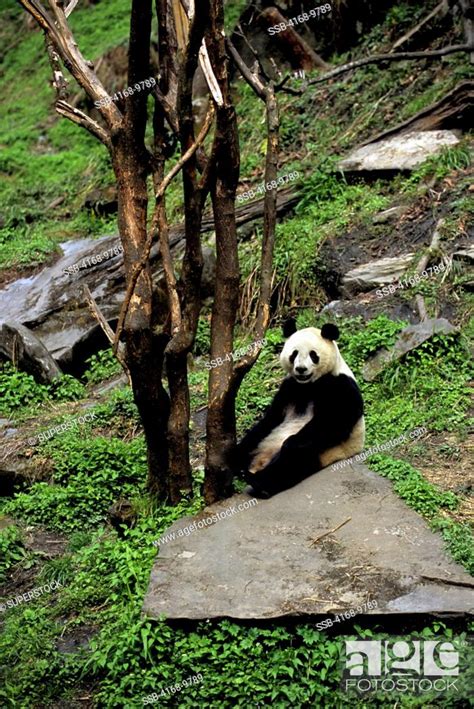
<point x="315" y="418"/>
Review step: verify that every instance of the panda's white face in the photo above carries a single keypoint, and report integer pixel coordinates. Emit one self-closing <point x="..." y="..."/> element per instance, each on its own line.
<point x="307" y="356"/>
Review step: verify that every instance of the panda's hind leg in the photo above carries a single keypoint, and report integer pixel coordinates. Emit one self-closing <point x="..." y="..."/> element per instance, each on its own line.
<point x="260" y="461"/>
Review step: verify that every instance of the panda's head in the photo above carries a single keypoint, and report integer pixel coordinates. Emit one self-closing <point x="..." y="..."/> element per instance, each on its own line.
<point x="311" y="353"/>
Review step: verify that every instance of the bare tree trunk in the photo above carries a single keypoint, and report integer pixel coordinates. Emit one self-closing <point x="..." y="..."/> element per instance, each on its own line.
<point x="221" y="410"/>
<point x="144" y="348"/>
<point x="122" y="131"/>
<point x="190" y="281"/>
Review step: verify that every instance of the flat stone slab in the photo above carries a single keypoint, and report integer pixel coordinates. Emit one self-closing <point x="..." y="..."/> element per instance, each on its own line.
<point x="285" y="557"/>
<point x="401" y="152"/>
<point x="377" y="273"/>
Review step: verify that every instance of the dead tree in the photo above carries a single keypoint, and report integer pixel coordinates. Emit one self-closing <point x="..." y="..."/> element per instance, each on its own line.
<point x="121" y="128"/>
<point x="189" y="34"/>
<point x="225" y="380"/>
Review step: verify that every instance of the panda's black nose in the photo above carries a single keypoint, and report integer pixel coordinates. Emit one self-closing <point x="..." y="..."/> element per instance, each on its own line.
<point x="300" y="370"/>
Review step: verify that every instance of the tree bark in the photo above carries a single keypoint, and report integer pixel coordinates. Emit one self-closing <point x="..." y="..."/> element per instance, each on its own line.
<point x="144" y="347"/>
<point x="190" y="281"/>
<point x="221" y="410"/>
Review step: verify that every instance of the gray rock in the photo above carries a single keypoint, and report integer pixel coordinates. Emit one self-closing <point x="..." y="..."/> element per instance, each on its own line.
<point x="52" y="302"/>
<point x="208" y="277"/>
<point x="409" y="339"/>
<point x="377" y="273"/>
<point x="388" y="214"/>
<point x="18" y="344"/>
<point x="332" y="306"/>
<point x="466" y="254"/>
<point x="402" y="152"/>
<point x="280" y="557"/>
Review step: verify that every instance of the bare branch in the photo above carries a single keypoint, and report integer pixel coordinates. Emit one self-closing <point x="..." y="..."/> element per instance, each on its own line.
<point x="441" y="7"/>
<point x="57" y="29"/>
<point x="39" y="13"/>
<point x="378" y="59"/>
<point x="422" y="264"/>
<point x="82" y="119"/>
<point x="325" y="534"/>
<point x="267" y="93"/>
<point x="59" y="82"/>
<point x="70" y="7"/>
<point x="189" y="152"/>
<point x="107" y="330"/>
<point x="209" y="75"/>
<point x="249" y="76"/>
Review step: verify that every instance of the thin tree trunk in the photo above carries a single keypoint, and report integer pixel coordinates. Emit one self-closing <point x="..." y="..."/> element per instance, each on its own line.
<point x="221" y="410"/>
<point x="144" y="348"/>
<point x="190" y="281"/>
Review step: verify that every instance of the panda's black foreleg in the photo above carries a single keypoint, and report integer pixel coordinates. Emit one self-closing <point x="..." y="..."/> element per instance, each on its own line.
<point x="299" y="455"/>
<point x="286" y="469"/>
<point x="241" y="456"/>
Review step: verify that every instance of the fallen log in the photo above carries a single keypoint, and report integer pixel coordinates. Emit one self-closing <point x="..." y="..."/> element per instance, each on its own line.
<point x="52" y="303"/>
<point x="454" y="111"/>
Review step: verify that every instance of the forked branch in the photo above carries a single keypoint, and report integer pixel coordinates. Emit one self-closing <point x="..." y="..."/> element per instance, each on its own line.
<point x="59" y="33"/>
<point x="154" y="228"/>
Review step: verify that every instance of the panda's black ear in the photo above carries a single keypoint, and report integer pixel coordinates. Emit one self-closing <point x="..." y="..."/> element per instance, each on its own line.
<point x="330" y="331"/>
<point x="289" y="327"/>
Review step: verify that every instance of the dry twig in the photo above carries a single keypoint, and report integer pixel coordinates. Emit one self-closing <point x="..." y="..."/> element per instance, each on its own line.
<point x="109" y="333"/>
<point x="442" y="7"/>
<point x="376" y="59"/>
<point x="321" y="536"/>
<point x="422" y="264"/>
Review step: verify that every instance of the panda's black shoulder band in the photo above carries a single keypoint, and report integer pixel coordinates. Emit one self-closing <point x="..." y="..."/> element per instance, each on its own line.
<point x="289" y="327"/>
<point x="330" y="331"/>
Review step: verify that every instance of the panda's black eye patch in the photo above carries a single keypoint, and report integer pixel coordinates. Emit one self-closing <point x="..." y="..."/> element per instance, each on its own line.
<point x="314" y="356"/>
<point x="293" y="356"/>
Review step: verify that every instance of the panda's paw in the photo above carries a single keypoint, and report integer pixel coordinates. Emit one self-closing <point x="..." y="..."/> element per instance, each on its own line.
<point x="259" y="491"/>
